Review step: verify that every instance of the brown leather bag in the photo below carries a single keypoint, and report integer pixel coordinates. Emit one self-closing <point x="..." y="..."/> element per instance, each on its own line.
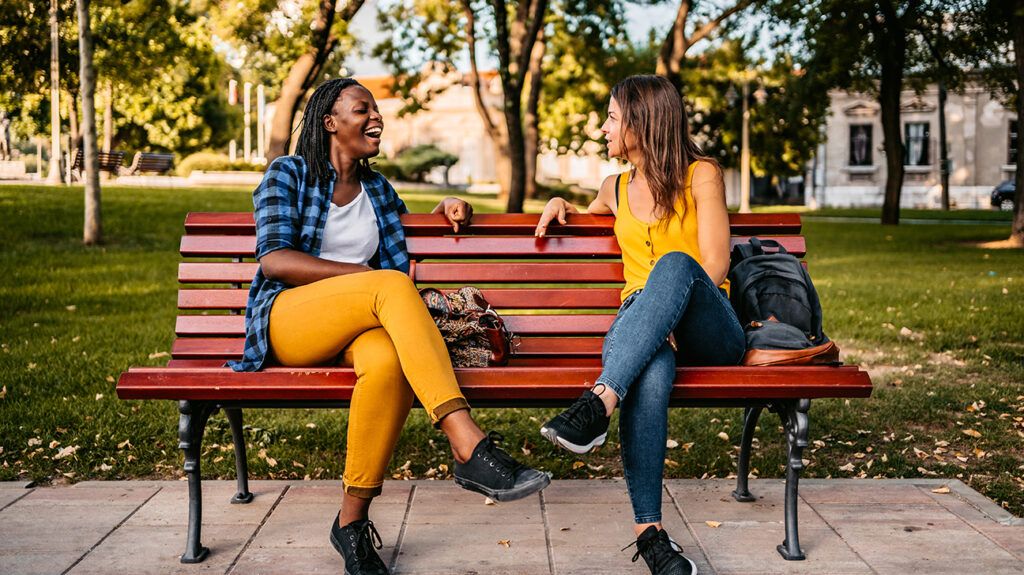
<point x="473" y="332"/>
<point x="772" y="342"/>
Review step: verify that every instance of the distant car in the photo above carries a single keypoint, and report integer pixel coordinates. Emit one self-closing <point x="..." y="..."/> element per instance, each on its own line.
<point x="1002" y="196"/>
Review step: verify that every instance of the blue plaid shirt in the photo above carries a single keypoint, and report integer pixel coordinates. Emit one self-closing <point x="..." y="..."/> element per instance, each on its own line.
<point x="291" y="214"/>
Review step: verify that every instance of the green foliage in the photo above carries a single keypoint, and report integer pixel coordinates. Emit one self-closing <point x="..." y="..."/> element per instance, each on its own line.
<point x="157" y="56"/>
<point x="413" y="164"/>
<point x="209" y="161"/>
<point x="785" y="117"/>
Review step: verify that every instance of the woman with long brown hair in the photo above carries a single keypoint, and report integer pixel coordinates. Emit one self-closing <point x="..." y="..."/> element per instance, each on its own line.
<point x="672" y="227"/>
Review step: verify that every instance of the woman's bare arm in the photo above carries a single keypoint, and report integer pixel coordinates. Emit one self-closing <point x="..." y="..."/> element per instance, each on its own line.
<point x="708" y="190"/>
<point x="297" y="268"/>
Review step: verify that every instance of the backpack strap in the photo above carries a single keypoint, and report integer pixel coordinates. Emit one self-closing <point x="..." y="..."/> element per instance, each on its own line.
<point x="617" y="178"/>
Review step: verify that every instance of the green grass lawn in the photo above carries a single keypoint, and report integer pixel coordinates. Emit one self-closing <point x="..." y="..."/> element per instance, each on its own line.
<point x="938" y="321"/>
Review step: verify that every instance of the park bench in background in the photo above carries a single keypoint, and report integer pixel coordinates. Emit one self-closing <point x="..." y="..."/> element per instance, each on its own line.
<point x="150" y="162"/>
<point x="558" y="356"/>
<point x="109" y="162"/>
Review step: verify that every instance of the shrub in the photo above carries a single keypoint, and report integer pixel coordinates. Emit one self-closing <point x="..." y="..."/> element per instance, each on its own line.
<point x="413" y="164"/>
<point x="209" y="161"/>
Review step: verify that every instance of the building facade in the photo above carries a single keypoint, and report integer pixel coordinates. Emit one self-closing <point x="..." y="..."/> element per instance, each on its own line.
<point x="850" y="170"/>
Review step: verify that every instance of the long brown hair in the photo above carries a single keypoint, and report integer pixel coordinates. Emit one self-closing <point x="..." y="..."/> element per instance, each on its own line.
<point x="652" y="112"/>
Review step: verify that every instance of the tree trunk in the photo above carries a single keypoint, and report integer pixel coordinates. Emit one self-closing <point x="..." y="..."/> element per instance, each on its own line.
<point x="108" y="116"/>
<point x="73" y="131"/>
<point x="532" y="142"/>
<point x="891" y="46"/>
<point x="55" y="175"/>
<point x="304" y="74"/>
<point x="1017" y="229"/>
<point x="516" y="151"/>
<point x="677" y="43"/>
<point x="93" y="229"/>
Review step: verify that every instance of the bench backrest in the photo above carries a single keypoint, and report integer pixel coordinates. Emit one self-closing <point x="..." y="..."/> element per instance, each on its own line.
<point x="152" y="162"/>
<point x="109" y="161"/>
<point x="559" y="294"/>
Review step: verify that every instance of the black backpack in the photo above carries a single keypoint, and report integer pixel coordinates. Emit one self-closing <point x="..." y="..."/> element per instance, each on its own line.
<point x="778" y="307"/>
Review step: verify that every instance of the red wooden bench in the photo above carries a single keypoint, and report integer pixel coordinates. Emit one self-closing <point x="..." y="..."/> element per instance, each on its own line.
<point x="558" y="356"/>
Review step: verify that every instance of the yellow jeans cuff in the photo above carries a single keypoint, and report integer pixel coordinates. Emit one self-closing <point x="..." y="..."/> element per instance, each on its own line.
<point x="362" y="492"/>
<point x="448" y="407"/>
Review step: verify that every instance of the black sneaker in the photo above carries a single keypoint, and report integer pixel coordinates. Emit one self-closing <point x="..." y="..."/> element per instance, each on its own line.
<point x="358" y="543"/>
<point x="494" y="473"/>
<point x="662" y="555"/>
<point x="580" y="428"/>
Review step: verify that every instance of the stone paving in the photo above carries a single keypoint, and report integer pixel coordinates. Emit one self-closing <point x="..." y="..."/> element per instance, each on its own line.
<point x="433" y="527"/>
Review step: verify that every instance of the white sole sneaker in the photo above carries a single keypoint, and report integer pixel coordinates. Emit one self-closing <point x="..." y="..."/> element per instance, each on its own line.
<point x="577" y="449"/>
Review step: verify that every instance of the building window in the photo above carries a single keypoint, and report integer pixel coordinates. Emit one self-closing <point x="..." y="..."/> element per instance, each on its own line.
<point x="915" y="137"/>
<point x="1011" y="147"/>
<point x="860" y="145"/>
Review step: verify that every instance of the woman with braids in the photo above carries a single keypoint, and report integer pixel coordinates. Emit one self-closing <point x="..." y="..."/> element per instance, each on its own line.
<point x="672" y="227"/>
<point x="332" y="288"/>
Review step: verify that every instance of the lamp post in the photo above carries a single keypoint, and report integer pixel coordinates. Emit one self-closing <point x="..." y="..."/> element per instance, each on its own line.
<point x="55" y="175"/>
<point x="744" y="78"/>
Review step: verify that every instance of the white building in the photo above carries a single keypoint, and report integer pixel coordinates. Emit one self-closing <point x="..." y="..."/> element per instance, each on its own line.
<point x="850" y="169"/>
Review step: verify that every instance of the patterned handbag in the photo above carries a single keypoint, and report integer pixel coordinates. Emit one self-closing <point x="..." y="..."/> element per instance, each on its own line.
<point x="473" y="332"/>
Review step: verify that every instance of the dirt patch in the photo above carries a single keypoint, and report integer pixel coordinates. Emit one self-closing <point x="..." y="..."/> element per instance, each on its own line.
<point x="1001" y="245"/>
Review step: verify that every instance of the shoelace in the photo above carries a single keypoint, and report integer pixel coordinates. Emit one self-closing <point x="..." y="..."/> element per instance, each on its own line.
<point x="645" y="548"/>
<point x="368" y="536"/>
<point x="579" y="415"/>
<point x="507" y="466"/>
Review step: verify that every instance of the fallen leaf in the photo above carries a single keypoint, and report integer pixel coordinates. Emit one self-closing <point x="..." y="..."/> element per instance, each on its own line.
<point x="723" y="436"/>
<point x="71" y="307"/>
<point x="565" y="528"/>
<point x="488" y="501"/>
<point x="311" y="425"/>
<point x="972" y="433"/>
<point x="99" y="396"/>
<point x="125" y="443"/>
<point x="671" y="463"/>
<point x="54" y="444"/>
<point x="34" y="441"/>
<point x="31" y="366"/>
<point x="687" y="446"/>
<point x="105" y="467"/>
<point x="3" y="392"/>
<point x="943" y="489"/>
<point x="847" y="467"/>
<point x="577" y="464"/>
<point x="110" y="379"/>
<point x="159" y="354"/>
<point x="920" y="454"/>
<point x="506" y="542"/>
<point x="66" y="452"/>
<point x="671" y="444"/>
<point x="713" y="524"/>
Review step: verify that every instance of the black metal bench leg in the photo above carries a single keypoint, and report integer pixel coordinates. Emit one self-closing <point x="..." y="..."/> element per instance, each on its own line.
<point x="191" y="425"/>
<point x="241" y="463"/>
<point x="750" y="417"/>
<point x="794" y="422"/>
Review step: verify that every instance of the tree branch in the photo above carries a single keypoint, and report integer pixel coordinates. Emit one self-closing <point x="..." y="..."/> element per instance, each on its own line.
<point x="702" y="31"/>
<point x="489" y="126"/>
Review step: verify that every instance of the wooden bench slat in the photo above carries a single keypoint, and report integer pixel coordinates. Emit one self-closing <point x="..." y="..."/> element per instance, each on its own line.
<point x="514" y="272"/>
<point x="241" y="223"/>
<point x="511" y="298"/>
<point x="551" y="348"/>
<point x="216" y="272"/>
<point x="498" y="247"/>
<point x="229" y="325"/>
<point x="510" y="384"/>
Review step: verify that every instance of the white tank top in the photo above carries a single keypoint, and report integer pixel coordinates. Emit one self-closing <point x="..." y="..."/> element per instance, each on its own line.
<point x="350" y="234"/>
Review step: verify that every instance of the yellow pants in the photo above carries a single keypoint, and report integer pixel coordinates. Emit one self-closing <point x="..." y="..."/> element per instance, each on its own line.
<point x="376" y="323"/>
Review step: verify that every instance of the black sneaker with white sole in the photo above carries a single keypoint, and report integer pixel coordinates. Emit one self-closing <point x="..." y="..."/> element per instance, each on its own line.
<point x="494" y="473"/>
<point x="662" y="555"/>
<point x="580" y="428"/>
<point x="358" y="543"/>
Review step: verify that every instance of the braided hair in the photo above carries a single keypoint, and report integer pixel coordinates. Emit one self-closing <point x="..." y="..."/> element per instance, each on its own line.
<point x="314" y="140"/>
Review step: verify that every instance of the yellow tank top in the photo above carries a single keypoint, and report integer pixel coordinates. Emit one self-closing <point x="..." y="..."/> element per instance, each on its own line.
<point x="643" y="244"/>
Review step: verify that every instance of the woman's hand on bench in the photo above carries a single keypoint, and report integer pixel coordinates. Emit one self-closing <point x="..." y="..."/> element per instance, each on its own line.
<point x="457" y="211"/>
<point x="556" y="209"/>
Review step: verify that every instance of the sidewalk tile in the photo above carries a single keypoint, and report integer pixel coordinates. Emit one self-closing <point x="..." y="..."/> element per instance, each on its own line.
<point x="170" y="506"/>
<point x="443" y="502"/>
<point x="587" y="491"/>
<point x="156" y="550"/>
<point x="714" y="502"/>
<point x="307" y="526"/>
<point x="129" y="495"/>
<point x="750" y="548"/>
<point x="871" y="492"/>
<point x="459" y="548"/>
<point x="8" y="496"/>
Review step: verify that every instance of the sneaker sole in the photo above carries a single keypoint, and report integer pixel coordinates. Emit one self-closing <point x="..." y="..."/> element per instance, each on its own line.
<point x="553" y="437"/>
<point x="525" y="490"/>
<point x="337" y="547"/>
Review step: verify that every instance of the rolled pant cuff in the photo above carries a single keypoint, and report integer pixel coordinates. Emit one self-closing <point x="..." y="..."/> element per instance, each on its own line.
<point x="616" y="389"/>
<point x="362" y="492"/>
<point x="446" y="408"/>
<point x="642" y="519"/>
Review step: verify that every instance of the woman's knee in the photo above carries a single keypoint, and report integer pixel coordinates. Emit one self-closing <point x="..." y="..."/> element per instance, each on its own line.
<point x="375" y="357"/>
<point x="678" y="266"/>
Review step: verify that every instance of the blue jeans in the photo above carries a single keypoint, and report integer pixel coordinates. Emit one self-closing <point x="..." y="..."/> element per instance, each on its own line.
<point x="639" y="365"/>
